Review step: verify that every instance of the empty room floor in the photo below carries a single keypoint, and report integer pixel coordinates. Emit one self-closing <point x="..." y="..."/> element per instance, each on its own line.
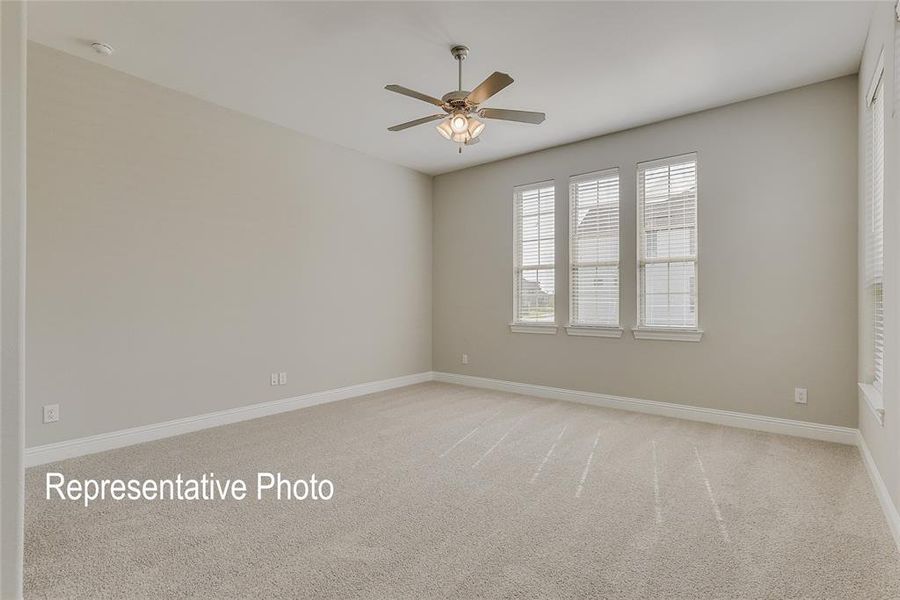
<point x="449" y="491"/>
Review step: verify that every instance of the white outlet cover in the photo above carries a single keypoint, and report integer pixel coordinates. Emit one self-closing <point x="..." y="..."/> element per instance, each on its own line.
<point x="51" y="413"/>
<point x="273" y="379"/>
<point x="800" y="395"/>
<point x="282" y="378"/>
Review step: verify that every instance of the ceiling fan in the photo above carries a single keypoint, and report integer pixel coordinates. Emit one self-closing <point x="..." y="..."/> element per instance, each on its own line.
<point x="462" y="108"/>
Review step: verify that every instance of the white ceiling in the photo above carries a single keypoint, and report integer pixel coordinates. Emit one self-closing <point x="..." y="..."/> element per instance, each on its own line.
<point x="594" y="68"/>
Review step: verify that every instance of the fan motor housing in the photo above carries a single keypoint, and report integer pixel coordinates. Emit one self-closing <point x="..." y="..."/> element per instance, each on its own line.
<point x="456" y="99"/>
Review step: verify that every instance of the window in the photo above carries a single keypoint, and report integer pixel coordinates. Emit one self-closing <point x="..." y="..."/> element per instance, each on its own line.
<point x="594" y="250"/>
<point x="873" y="238"/>
<point x="534" y="285"/>
<point x="667" y="244"/>
<point x="874" y="231"/>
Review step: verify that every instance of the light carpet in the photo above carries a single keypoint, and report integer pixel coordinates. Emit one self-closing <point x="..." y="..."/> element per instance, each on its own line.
<point x="444" y="491"/>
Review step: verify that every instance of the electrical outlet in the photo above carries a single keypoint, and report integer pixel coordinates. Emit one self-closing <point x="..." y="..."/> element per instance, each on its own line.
<point x="51" y="413"/>
<point x="282" y="378"/>
<point x="800" y="395"/>
<point x="465" y="359"/>
<point x="273" y="379"/>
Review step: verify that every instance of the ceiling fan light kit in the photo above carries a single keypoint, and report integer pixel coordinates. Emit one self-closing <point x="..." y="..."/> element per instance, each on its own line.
<point x="444" y="129"/>
<point x="462" y="107"/>
<point x="475" y="127"/>
<point x="459" y="123"/>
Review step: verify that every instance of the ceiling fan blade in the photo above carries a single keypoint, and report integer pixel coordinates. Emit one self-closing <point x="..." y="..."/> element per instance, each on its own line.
<point x="409" y="124"/>
<point x="523" y="116"/>
<point x="473" y="141"/>
<point x="490" y="86"/>
<point x="413" y="94"/>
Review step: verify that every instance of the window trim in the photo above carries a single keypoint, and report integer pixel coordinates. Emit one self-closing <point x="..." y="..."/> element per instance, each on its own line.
<point x="653" y="332"/>
<point x="670" y="334"/>
<point x="516" y="326"/>
<point x="874" y="401"/>
<point x="588" y="329"/>
<point x="546" y="328"/>
<point x="606" y="331"/>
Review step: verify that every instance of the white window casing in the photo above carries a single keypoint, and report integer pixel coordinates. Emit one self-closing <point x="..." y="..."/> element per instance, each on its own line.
<point x="667" y="252"/>
<point x="534" y="272"/>
<point x="594" y="254"/>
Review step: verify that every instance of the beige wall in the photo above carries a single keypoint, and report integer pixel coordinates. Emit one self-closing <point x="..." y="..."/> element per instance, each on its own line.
<point x="777" y="213"/>
<point x="179" y="252"/>
<point x="882" y="440"/>
<point x="13" y="49"/>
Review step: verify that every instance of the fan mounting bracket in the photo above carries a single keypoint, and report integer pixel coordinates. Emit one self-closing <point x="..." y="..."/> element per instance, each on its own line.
<point x="459" y="52"/>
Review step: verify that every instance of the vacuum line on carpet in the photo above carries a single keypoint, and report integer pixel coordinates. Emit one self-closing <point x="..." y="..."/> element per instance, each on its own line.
<point x="712" y="498"/>
<point x="656" y="485"/>
<point x="497" y="443"/>
<point x="470" y="434"/>
<point x="549" y="453"/>
<point x="587" y="467"/>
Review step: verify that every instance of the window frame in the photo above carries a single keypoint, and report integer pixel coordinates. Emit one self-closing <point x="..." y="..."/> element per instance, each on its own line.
<point x="612" y="330"/>
<point x="872" y="390"/>
<point x="516" y="325"/>
<point x="641" y="331"/>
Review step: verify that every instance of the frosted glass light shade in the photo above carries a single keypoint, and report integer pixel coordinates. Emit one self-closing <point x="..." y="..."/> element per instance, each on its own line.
<point x="444" y="129"/>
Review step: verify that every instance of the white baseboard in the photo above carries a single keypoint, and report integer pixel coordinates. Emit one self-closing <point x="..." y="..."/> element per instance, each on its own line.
<point x="816" y="431"/>
<point x="39" y="455"/>
<point x="887" y="504"/>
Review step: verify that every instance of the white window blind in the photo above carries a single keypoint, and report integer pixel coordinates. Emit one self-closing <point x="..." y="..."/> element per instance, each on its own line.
<point x="667" y="243"/>
<point x="594" y="249"/>
<point x="896" y="65"/>
<point x="875" y="227"/>
<point x="534" y="277"/>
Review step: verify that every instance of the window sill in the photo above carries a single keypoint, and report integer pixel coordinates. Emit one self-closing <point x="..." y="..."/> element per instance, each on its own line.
<point x="545" y="328"/>
<point x="605" y="331"/>
<point x="874" y="400"/>
<point x="667" y="334"/>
